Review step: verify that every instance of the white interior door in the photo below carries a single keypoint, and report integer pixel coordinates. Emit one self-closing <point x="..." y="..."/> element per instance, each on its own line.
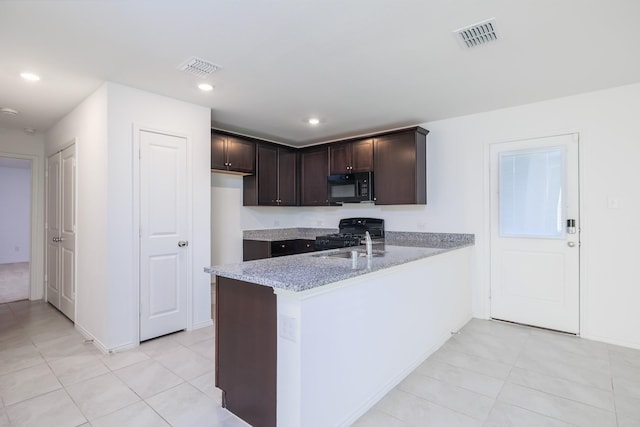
<point x="53" y="232"/>
<point x="61" y="231"/>
<point x="163" y="234"/>
<point x="68" y="232"/>
<point x="535" y="256"/>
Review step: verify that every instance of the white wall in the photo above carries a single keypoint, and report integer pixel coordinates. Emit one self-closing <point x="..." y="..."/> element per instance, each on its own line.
<point x="17" y="144"/>
<point x="457" y="175"/>
<point x="15" y="214"/>
<point x="103" y="126"/>
<point x="609" y="149"/>
<point x="226" y="224"/>
<point x="87" y="126"/>
<point x="128" y="108"/>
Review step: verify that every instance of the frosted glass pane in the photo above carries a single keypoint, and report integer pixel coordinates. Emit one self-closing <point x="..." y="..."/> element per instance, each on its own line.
<point x="532" y="193"/>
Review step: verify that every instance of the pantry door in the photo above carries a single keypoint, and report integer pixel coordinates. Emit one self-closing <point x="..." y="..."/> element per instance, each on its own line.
<point x="535" y="232"/>
<point x="164" y="242"/>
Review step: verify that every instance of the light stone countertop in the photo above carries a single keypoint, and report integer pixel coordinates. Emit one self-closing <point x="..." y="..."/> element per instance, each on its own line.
<point x="310" y="270"/>
<point x="274" y="234"/>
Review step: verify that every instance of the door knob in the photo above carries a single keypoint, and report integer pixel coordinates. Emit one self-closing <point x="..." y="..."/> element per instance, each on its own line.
<point x="571" y="244"/>
<point x="183" y="243"/>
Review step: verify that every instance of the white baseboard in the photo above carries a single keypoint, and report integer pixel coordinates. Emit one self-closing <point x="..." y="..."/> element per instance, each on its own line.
<point x="201" y="325"/>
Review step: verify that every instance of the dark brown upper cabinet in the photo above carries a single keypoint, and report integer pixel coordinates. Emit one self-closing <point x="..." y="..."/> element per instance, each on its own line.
<point x="275" y="182"/>
<point x="314" y="167"/>
<point x="232" y="154"/>
<point x="353" y="156"/>
<point x="400" y="167"/>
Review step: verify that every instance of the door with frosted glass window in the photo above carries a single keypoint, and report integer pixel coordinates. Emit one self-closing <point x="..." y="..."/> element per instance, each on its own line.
<point x="535" y="240"/>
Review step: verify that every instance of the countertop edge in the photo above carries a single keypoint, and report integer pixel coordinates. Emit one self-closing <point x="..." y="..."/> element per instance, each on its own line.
<point x="285" y="273"/>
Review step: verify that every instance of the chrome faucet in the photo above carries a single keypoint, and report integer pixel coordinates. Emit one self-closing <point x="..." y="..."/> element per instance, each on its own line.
<point x="368" y="243"/>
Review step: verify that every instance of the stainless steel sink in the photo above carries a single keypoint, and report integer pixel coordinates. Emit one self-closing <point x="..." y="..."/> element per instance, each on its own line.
<point x="347" y="254"/>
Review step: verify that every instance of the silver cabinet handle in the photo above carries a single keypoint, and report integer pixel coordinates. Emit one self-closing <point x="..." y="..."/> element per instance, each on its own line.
<point x="571" y="244"/>
<point x="183" y="243"/>
<point x="58" y="239"/>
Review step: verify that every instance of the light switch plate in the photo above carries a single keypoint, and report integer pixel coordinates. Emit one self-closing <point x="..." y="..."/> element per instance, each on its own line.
<point x="613" y="203"/>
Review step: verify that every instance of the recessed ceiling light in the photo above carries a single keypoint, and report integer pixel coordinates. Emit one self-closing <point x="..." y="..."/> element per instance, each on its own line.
<point x="205" y="87"/>
<point x="313" y="121"/>
<point x="30" y="76"/>
<point x="9" y="111"/>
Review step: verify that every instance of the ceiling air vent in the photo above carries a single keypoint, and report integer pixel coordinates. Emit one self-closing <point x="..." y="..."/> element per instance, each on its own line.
<point x="198" y="67"/>
<point x="477" y="34"/>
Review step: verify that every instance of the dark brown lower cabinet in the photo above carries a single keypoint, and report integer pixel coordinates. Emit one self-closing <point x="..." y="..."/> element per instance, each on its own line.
<point x="260" y="249"/>
<point x="246" y="350"/>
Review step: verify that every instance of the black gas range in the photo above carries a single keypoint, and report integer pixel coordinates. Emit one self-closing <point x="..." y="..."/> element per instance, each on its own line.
<point x="352" y="232"/>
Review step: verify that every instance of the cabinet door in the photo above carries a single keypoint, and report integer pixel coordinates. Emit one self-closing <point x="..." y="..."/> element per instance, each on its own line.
<point x="247" y="350"/>
<point x="255" y="249"/>
<point x="241" y="155"/>
<point x="218" y="152"/>
<point x="287" y="177"/>
<point x="400" y="169"/>
<point x="313" y="177"/>
<point x="340" y="158"/>
<point x="362" y="156"/>
<point x="267" y="175"/>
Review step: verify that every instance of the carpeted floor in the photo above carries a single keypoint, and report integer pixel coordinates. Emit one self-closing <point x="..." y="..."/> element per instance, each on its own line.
<point x="14" y="282"/>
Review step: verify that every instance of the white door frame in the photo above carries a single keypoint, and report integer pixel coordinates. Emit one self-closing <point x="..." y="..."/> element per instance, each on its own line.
<point x="486" y="279"/>
<point x="36" y="252"/>
<point x="135" y="297"/>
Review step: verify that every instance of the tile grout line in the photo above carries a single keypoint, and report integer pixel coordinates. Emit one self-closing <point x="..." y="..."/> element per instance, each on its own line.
<point x="613" y="388"/>
<point x="506" y="379"/>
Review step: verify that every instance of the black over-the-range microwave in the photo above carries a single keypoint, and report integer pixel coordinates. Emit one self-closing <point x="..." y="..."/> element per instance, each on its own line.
<point x="350" y="188"/>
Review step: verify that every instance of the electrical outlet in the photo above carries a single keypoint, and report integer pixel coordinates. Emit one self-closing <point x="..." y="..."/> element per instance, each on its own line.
<point x="276" y="222"/>
<point x="613" y="203"/>
<point x="318" y="223"/>
<point x="422" y="226"/>
<point x="288" y="328"/>
<point x="17" y="248"/>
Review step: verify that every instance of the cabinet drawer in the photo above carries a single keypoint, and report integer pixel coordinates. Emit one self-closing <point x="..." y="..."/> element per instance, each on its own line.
<point x="283" y="247"/>
<point x="306" y="246"/>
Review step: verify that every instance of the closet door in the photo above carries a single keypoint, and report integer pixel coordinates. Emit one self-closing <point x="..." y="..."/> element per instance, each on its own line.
<point x="52" y="276"/>
<point x="61" y="231"/>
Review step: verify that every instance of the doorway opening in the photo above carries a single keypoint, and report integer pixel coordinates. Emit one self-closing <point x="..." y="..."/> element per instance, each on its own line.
<point x="15" y="228"/>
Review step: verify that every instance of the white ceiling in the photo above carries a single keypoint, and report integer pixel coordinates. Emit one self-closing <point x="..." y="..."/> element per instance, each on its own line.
<point x="360" y="65"/>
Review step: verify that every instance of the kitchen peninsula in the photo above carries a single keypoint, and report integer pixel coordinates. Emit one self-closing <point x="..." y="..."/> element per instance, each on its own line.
<point x="316" y="339"/>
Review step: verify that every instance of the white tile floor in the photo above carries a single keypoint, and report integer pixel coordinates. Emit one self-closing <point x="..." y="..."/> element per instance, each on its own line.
<point x="499" y="374"/>
<point x="491" y="374"/>
<point x="49" y="377"/>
